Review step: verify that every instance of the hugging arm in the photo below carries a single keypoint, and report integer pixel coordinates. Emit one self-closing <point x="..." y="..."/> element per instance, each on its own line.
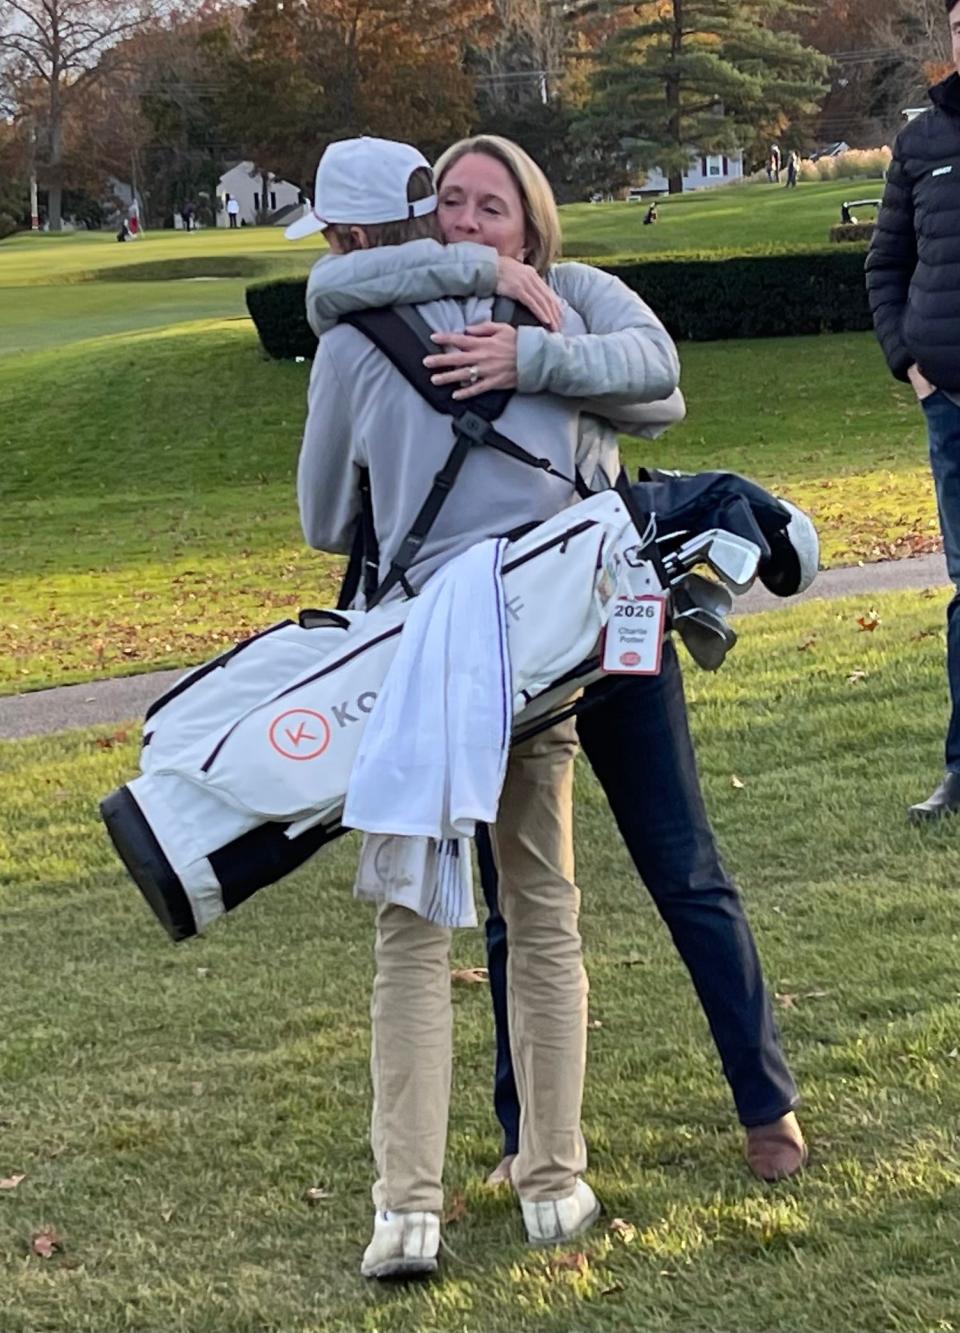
<point x="624" y="367"/>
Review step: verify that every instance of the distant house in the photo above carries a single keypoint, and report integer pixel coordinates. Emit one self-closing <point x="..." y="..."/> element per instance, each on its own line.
<point x="705" y="170"/>
<point x="244" y="182"/>
<point x="836" y="149"/>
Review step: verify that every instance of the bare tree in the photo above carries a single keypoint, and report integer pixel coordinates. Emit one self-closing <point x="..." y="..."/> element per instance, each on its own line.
<point x="914" y="34"/>
<point x="525" y="59"/>
<point x="50" y="51"/>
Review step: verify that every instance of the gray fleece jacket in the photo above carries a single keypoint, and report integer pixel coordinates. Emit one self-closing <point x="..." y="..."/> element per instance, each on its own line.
<point x="623" y="367"/>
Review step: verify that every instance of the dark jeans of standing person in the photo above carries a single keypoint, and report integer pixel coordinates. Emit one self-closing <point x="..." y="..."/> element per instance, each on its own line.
<point x="943" y="430"/>
<point x="659" y="809"/>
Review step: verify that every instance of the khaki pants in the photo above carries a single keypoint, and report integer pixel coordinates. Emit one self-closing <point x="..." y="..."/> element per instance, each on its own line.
<point x="547" y="999"/>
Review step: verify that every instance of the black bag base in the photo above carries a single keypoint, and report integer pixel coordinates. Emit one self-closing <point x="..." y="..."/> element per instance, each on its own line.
<point x="147" y="863"/>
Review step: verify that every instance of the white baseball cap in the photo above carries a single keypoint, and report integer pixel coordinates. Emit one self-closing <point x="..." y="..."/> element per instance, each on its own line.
<point x="363" y="181"/>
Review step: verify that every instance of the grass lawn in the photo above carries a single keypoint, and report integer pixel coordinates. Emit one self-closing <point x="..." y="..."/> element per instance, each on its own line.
<point x="168" y="1107"/>
<point x="45" y="259"/>
<point x="152" y="517"/>
<point x="738" y="217"/>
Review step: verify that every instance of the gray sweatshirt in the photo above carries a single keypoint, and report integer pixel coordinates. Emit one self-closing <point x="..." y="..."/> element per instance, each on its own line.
<point x="362" y="413"/>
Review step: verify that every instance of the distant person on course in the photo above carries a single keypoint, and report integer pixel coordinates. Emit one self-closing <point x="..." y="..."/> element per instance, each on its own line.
<point x="913" y="282"/>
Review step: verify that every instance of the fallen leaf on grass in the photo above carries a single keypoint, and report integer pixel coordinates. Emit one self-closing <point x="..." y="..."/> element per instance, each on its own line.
<point x="790" y="1001"/>
<point x="856" y="677"/>
<point x="11" y="1182"/>
<point x="869" y="622"/>
<point x="167" y="1213"/>
<point x="108" y="742"/>
<point x="317" y="1194"/>
<point x="923" y="634"/>
<point x="624" y="1229"/>
<point x="807" y="644"/>
<point x="594" y="1023"/>
<point x="457" y="1210"/>
<point x="45" y="1243"/>
<point x="737" y="783"/>
<point x="569" y="1263"/>
<point x="468" y="976"/>
<point x="613" y="1289"/>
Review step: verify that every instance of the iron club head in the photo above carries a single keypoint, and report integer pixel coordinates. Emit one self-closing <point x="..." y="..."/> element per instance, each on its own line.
<point x="733" y="559"/>
<point x="705" y="634"/>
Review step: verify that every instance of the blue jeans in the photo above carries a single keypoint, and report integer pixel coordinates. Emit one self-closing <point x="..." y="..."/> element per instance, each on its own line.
<point x="943" y="431"/>
<point x="659" y="809"/>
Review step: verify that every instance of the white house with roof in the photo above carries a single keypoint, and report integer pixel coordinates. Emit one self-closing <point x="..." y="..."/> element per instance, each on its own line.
<point x="244" y="182"/>
<point x="704" y="170"/>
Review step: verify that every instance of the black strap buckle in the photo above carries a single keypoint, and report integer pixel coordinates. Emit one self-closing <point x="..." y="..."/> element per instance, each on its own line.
<point x="473" y="426"/>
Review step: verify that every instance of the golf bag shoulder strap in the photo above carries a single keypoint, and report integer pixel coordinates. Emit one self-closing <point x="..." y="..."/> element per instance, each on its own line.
<point x="404" y="337"/>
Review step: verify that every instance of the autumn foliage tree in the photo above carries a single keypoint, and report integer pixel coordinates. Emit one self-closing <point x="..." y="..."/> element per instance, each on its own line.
<point x="301" y="75"/>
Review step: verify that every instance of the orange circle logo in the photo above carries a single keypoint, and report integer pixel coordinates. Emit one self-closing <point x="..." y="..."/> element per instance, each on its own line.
<point x="299" y="733"/>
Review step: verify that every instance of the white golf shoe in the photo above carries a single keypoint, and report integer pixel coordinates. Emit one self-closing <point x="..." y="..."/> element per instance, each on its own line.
<point x="560" y="1220"/>
<point x="403" y="1245"/>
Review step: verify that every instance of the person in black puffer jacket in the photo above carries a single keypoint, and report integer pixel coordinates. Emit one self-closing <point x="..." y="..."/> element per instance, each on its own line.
<point x="913" y="283"/>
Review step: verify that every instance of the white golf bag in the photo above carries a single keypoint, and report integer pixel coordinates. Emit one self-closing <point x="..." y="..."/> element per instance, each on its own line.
<point x="246" y="760"/>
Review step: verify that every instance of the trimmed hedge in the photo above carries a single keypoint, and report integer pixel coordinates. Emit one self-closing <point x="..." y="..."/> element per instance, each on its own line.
<point x="279" y="312"/>
<point x="703" y="299"/>
<point x="852" y="231"/>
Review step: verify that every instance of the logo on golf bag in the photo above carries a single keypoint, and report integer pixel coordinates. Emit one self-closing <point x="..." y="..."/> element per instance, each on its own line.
<point x="299" y="733"/>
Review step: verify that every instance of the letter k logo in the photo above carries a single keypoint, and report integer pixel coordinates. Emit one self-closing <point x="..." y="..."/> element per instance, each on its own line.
<point x="299" y="733"/>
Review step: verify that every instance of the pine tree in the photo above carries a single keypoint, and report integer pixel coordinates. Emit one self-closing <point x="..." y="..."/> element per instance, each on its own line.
<point x="700" y="76"/>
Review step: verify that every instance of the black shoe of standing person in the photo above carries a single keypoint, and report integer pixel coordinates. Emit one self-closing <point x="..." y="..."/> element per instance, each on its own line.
<point x="944" y="801"/>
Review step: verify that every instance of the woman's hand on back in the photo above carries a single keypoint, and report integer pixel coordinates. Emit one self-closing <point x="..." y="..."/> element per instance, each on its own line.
<point x="524" y="284"/>
<point x="482" y="357"/>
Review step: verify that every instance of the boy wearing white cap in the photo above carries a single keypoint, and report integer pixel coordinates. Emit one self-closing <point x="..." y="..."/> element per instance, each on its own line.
<point x="363" y="415"/>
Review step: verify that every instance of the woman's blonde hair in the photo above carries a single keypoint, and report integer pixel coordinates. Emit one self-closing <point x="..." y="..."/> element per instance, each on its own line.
<point x="543" y="238"/>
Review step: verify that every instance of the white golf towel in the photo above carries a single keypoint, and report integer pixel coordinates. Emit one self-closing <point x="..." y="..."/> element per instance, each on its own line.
<point x="434" y="753"/>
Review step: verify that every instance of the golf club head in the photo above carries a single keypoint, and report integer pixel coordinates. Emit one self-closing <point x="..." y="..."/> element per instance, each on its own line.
<point x="733" y="559"/>
<point x="707" y="593"/>
<point x="706" y="636"/>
